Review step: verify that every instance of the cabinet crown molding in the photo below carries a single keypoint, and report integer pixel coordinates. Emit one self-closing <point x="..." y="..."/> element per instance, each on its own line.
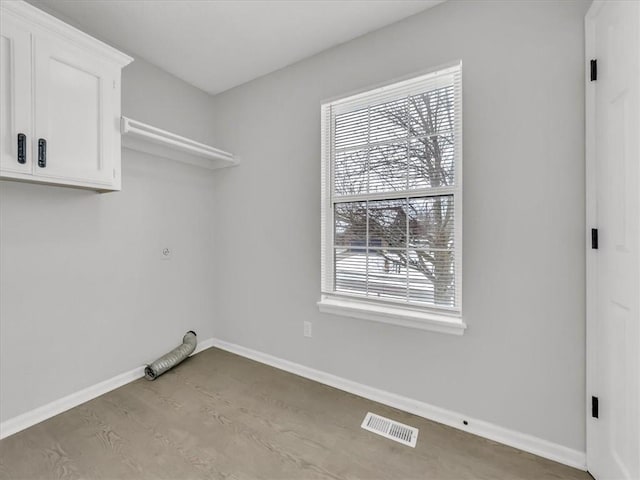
<point x="40" y="19"/>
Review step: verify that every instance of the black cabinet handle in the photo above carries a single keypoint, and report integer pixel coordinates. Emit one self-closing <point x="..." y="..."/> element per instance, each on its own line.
<point x="22" y="148"/>
<point x="42" y="153"/>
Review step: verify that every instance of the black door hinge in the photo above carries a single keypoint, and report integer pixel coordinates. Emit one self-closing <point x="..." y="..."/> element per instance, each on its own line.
<point x="594" y="70"/>
<point x="594" y="407"/>
<point x="594" y="238"/>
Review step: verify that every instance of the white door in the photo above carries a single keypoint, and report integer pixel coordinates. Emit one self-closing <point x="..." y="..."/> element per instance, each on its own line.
<point x="73" y="95"/>
<point x="15" y="96"/>
<point x="613" y="269"/>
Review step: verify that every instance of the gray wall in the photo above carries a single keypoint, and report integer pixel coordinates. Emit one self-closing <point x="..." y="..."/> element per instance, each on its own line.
<point x="84" y="292"/>
<point x="521" y="362"/>
<point x="81" y="275"/>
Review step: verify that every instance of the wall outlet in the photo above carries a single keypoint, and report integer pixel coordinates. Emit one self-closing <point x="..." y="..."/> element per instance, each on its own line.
<point x="307" y="329"/>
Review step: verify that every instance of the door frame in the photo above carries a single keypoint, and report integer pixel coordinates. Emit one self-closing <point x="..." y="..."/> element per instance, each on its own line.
<point x="591" y="273"/>
<point x="591" y="217"/>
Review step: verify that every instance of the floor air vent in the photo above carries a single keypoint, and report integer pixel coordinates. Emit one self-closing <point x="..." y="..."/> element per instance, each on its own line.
<point x="391" y="429"/>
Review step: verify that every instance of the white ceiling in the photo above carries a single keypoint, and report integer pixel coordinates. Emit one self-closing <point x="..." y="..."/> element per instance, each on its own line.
<point x="219" y="44"/>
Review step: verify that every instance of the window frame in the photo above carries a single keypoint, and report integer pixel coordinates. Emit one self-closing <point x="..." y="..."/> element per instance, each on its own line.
<point x="425" y="317"/>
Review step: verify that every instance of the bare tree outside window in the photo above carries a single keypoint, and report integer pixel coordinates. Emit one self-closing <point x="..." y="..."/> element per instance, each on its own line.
<point x="399" y="244"/>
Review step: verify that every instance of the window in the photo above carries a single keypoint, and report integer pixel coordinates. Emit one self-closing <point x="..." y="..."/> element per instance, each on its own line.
<point x="392" y="203"/>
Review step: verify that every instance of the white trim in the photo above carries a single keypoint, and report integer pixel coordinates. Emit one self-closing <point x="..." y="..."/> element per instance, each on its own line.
<point x="394" y="315"/>
<point x="595" y="381"/>
<point x="44" y="412"/>
<point x="400" y="79"/>
<point x="204" y="345"/>
<point x="591" y="222"/>
<point x="34" y="16"/>
<point x="522" y="441"/>
<point x="452" y="74"/>
<point x="148" y="139"/>
<point x="37" y="415"/>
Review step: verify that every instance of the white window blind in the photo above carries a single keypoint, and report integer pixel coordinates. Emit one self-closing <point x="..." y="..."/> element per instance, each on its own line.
<point x="392" y="193"/>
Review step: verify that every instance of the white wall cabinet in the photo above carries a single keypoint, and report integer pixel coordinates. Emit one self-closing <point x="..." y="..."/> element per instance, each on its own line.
<point x="60" y="102"/>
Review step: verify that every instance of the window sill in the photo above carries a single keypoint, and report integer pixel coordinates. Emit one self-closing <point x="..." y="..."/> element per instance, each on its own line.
<point x="405" y="317"/>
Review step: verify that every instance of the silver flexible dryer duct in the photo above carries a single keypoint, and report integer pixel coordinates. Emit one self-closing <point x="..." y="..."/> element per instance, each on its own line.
<point x="173" y="358"/>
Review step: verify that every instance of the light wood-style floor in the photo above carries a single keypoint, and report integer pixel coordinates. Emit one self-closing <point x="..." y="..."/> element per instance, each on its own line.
<point x="221" y="416"/>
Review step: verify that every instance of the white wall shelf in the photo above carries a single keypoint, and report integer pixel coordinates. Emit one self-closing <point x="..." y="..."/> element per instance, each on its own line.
<point x="145" y="138"/>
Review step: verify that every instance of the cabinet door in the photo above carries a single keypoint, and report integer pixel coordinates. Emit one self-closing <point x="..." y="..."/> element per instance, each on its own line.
<point x="75" y="96"/>
<point x="15" y="96"/>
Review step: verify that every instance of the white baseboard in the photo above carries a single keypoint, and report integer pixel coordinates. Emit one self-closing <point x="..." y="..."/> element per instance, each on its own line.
<point x="522" y="441"/>
<point x="37" y="415"/>
<point x="203" y="345"/>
